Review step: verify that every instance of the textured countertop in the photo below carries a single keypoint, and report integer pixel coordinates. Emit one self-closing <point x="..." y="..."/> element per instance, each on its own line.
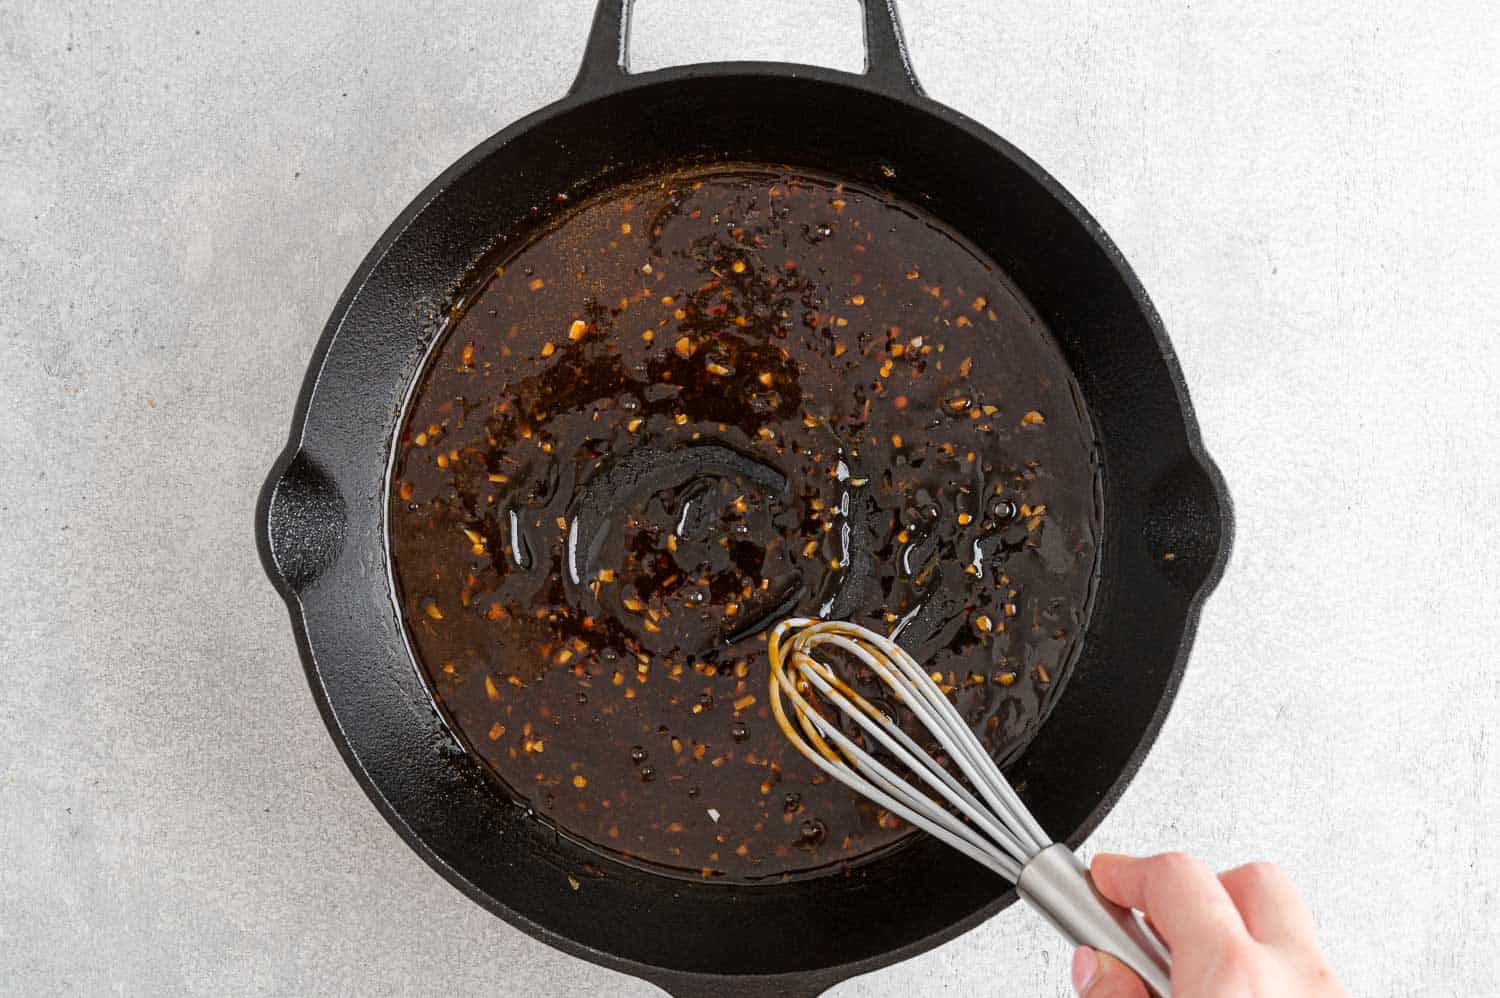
<point x="1308" y="191"/>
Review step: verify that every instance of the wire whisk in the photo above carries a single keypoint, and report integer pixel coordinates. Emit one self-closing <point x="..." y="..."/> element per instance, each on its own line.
<point x="985" y="820"/>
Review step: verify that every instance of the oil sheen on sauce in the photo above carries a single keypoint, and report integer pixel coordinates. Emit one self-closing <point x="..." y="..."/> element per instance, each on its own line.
<point x="689" y="408"/>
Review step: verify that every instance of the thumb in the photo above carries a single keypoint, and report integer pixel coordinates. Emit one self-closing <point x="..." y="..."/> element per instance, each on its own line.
<point x="1099" y="975"/>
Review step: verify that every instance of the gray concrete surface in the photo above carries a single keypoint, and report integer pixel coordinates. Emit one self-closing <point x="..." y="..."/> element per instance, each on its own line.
<point x="1307" y="189"/>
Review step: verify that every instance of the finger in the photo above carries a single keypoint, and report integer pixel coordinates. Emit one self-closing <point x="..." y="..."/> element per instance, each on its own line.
<point x="1181" y="895"/>
<point x="1269" y="903"/>
<point x="1099" y="975"/>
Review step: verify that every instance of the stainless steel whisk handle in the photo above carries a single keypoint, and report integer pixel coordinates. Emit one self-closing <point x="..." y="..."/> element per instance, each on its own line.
<point x="1057" y="883"/>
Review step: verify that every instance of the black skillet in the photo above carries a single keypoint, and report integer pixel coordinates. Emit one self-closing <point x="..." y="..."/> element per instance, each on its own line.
<point x="322" y="534"/>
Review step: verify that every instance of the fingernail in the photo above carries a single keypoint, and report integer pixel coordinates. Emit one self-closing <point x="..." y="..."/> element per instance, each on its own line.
<point x="1085" y="968"/>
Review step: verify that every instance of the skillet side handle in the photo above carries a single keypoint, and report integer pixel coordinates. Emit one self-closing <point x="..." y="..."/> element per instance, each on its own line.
<point x="606" y="54"/>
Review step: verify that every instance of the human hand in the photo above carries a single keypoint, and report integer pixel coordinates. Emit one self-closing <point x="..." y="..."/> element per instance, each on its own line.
<point x="1242" y="934"/>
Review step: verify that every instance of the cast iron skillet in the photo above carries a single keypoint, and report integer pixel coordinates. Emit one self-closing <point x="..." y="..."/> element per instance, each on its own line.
<point x="322" y="534"/>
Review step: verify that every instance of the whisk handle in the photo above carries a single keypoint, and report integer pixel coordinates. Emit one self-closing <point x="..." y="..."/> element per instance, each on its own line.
<point x="1057" y="883"/>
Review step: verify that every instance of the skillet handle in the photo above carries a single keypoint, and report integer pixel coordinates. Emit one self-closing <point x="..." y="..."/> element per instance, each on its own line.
<point x="606" y="55"/>
<point x="779" y="986"/>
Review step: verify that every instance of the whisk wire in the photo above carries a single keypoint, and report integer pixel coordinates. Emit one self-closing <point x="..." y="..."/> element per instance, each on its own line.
<point x="916" y="759"/>
<point x="985" y="839"/>
<point x="920" y="763"/>
<point x="892" y="793"/>
<point x="1022" y="836"/>
<point x="972" y="759"/>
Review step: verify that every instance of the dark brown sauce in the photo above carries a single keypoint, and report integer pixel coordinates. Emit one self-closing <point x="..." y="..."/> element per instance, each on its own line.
<point x="701" y="404"/>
